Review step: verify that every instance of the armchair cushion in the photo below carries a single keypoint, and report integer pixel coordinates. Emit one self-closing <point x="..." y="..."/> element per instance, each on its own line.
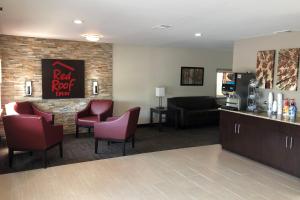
<point x="87" y="121"/>
<point x="95" y="111"/>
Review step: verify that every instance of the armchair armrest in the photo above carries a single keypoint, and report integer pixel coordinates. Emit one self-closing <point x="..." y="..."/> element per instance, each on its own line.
<point x="107" y="113"/>
<point x="84" y="112"/>
<point x="112" y="118"/>
<point x="48" y="116"/>
<point x="53" y="134"/>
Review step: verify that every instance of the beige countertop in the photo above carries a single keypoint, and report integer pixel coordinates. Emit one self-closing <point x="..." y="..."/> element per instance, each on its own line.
<point x="265" y="115"/>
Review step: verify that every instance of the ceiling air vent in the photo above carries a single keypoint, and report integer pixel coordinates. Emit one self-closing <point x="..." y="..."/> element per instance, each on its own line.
<point x="162" y="26"/>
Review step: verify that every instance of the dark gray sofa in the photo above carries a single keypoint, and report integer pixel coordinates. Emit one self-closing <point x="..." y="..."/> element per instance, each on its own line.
<point x="192" y="111"/>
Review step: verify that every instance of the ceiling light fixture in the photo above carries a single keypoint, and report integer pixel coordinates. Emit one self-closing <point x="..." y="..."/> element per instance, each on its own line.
<point x="282" y="31"/>
<point x="162" y="26"/>
<point x="77" y="21"/>
<point x="198" y="34"/>
<point x="92" y="37"/>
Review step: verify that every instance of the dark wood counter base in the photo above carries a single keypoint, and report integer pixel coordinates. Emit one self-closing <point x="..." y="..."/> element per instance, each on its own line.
<point x="271" y="142"/>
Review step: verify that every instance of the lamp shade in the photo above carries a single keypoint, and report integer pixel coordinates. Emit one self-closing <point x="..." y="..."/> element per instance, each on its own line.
<point x="160" y="91"/>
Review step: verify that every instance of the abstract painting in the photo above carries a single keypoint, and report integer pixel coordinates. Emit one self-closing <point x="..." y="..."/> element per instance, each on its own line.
<point x="265" y="68"/>
<point x="192" y="76"/>
<point x="288" y="66"/>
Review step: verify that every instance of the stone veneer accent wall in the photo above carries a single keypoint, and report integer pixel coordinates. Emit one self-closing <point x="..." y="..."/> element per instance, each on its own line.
<point x="21" y="60"/>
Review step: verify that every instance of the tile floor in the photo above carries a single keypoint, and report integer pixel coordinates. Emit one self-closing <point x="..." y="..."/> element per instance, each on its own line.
<point x="206" y="172"/>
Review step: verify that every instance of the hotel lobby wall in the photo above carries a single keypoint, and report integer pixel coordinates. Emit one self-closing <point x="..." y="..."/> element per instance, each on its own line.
<point x="137" y="70"/>
<point x="21" y="60"/>
<point x="244" y="57"/>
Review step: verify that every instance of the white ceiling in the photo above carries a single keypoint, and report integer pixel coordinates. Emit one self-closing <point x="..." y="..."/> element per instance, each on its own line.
<point x="130" y="21"/>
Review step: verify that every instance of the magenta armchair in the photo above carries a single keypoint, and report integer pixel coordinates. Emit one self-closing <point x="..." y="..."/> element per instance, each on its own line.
<point x="118" y="129"/>
<point x="16" y="108"/>
<point x="95" y="111"/>
<point x="31" y="133"/>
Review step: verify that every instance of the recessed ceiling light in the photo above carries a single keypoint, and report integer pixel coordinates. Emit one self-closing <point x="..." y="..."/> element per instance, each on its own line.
<point x="282" y="31"/>
<point x="198" y="34"/>
<point x="77" y="21"/>
<point x="92" y="37"/>
<point x="162" y="26"/>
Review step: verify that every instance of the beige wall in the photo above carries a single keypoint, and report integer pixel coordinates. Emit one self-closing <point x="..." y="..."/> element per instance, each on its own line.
<point x="138" y="70"/>
<point x="244" y="56"/>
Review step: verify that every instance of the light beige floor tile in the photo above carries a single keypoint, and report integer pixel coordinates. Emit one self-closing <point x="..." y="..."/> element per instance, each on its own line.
<point x="196" y="173"/>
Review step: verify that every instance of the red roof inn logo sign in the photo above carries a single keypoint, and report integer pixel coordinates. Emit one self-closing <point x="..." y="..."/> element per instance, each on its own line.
<point x="62" y="78"/>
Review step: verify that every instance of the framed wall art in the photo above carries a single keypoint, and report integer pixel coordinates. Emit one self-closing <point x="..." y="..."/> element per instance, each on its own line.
<point x="265" y="68"/>
<point x="62" y="79"/>
<point x="192" y="76"/>
<point x="288" y="67"/>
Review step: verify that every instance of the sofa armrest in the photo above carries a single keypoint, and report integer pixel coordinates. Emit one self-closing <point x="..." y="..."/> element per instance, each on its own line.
<point x="179" y="114"/>
<point x="48" y="116"/>
<point x="173" y="107"/>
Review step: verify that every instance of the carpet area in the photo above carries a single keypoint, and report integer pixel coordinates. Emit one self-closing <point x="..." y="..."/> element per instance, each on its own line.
<point x="148" y="139"/>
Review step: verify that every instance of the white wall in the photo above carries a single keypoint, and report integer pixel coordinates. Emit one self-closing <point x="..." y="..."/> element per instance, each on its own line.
<point x="138" y="70"/>
<point x="244" y="56"/>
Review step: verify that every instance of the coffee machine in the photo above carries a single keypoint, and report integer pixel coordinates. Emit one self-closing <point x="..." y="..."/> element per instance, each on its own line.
<point x="235" y="88"/>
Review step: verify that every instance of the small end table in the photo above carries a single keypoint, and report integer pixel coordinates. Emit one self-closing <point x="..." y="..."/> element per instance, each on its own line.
<point x="160" y="112"/>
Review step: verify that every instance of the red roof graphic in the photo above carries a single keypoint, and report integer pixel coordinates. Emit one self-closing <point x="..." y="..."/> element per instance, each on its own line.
<point x="63" y="65"/>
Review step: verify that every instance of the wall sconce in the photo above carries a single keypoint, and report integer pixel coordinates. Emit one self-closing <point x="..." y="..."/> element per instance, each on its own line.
<point x="95" y="87"/>
<point x="28" y="88"/>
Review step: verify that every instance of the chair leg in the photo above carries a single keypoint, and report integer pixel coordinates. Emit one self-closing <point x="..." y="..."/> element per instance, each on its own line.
<point x="108" y="143"/>
<point x="10" y="157"/>
<point x="61" y="150"/>
<point x="96" y="145"/>
<point x="133" y="141"/>
<point x="45" y="158"/>
<point x="30" y="153"/>
<point x="76" y="134"/>
<point x="89" y="130"/>
<point x="124" y="145"/>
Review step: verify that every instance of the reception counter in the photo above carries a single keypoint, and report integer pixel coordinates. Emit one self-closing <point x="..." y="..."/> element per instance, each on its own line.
<point x="272" y="140"/>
